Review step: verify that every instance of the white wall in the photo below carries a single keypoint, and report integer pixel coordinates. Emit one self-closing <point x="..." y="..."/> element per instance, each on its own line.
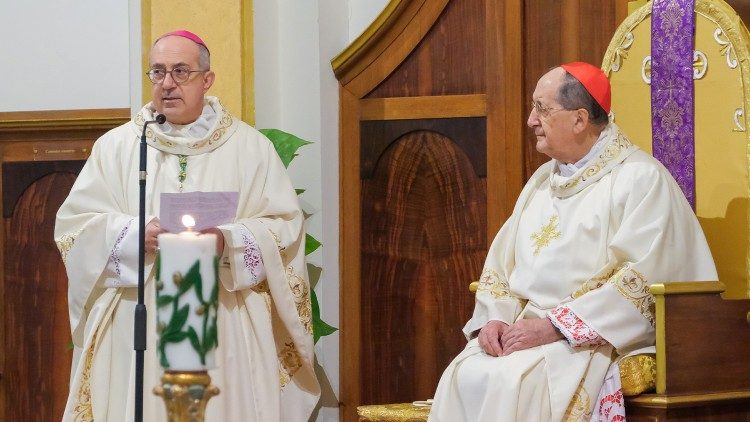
<point x="60" y="55"/>
<point x="296" y="91"/>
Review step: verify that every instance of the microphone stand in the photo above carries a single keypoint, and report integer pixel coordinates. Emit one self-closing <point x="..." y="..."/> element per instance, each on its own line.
<point x="139" y="326"/>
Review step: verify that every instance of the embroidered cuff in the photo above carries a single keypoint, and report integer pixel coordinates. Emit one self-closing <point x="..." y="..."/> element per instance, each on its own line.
<point x="577" y="332"/>
<point x="252" y="258"/>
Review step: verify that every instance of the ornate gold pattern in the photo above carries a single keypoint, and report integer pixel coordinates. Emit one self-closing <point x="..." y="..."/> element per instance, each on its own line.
<point x="594" y="283"/>
<point x="397" y="412"/>
<point x="282" y="249"/>
<point x="579" y="408"/>
<point x="637" y="374"/>
<point x="65" y="244"/>
<point x="186" y="395"/>
<point x="632" y="285"/>
<point x="83" y="412"/>
<point x="609" y="153"/>
<point x="263" y="290"/>
<point x="225" y="122"/>
<point x="726" y="48"/>
<point x="289" y="362"/>
<point x="620" y="36"/>
<point x="301" y="293"/>
<point x="621" y="52"/>
<point x="545" y="235"/>
<point x="491" y="282"/>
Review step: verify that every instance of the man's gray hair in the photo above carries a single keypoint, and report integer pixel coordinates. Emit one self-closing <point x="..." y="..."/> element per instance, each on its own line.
<point x="204" y="58"/>
<point x="572" y="95"/>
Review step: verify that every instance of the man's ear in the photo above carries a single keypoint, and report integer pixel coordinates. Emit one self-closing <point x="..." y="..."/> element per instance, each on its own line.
<point x="581" y="120"/>
<point x="208" y="80"/>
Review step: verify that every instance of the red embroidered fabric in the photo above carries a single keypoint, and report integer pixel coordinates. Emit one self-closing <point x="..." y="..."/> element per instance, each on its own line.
<point x="577" y="332"/>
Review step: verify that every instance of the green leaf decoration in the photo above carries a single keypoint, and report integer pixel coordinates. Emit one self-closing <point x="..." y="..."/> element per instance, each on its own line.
<point x="286" y="144"/>
<point x="299" y="191"/>
<point x="163" y="300"/>
<point x="193" y="276"/>
<point x="157" y="266"/>
<point x="177" y="321"/>
<point x="311" y="244"/>
<point x="320" y="327"/>
<point x="211" y="337"/>
<point x="193" y="336"/>
<point x="174" y="337"/>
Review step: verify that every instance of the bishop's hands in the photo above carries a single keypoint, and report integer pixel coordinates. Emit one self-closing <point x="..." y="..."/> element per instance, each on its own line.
<point x="489" y="337"/>
<point x="154" y="229"/>
<point x="500" y="339"/>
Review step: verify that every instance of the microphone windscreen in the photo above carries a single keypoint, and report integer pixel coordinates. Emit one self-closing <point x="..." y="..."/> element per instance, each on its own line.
<point x="160" y="118"/>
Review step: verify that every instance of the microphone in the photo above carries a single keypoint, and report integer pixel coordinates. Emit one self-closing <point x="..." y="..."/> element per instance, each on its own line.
<point x="139" y="320"/>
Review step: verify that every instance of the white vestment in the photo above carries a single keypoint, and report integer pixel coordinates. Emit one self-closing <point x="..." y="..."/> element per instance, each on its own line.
<point x="590" y="245"/>
<point x="264" y="360"/>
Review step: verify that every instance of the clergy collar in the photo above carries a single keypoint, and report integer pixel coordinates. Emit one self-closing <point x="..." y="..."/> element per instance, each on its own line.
<point x="207" y="133"/>
<point x="615" y="148"/>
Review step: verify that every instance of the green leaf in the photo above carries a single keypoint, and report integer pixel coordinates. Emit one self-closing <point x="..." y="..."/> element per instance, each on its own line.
<point x="286" y="144"/>
<point x="193" y="275"/>
<point x="162" y="355"/>
<point x="157" y="266"/>
<point x="311" y="244"/>
<point x="193" y="336"/>
<point x="174" y="337"/>
<point x="320" y="328"/>
<point x="299" y="191"/>
<point x="177" y="321"/>
<point x="211" y="338"/>
<point x="163" y="300"/>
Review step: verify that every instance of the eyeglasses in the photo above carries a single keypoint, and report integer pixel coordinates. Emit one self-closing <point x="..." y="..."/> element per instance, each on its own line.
<point x="542" y="110"/>
<point x="180" y="74"/>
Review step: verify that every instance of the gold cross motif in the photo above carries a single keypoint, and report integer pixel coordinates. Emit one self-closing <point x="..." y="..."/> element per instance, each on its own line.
<point x="546" y="234"/>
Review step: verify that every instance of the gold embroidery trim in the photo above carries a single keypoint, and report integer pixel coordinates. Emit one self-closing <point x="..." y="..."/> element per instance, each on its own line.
<point x="301" y="293"/>
<point x="630" y="284"/>
<point x="224" y="123"/>
<point x="289" y="362"/>
<point x="83" y="411"/>
<point x="491" y="283"/>
<point x="263" y="290"/>
<point x="65" y="244"/>
<point x="545" y="235"/>
<point x="609" y="153"/>
<point x="579" y="408"/>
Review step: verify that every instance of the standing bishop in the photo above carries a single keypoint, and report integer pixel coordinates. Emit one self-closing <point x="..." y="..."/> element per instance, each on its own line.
<point x="265" y="352"/>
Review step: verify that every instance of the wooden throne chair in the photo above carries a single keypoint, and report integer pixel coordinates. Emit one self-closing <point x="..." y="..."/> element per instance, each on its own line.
<point x="701" y="370"/>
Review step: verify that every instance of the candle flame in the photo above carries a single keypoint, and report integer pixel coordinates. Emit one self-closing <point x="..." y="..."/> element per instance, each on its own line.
<point x="188" y="221"/>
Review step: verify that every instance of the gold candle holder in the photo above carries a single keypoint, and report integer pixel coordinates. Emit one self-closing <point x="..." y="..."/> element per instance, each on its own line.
<point x="186" y="394"/>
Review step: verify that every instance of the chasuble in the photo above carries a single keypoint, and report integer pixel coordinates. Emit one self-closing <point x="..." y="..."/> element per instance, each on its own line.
<point x="580" y="250"/>
<point x="264" y="360"/>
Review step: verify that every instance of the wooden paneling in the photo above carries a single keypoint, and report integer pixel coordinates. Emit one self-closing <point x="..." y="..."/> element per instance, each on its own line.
<point x="448" y="61"/>
<point x="468" y="133"/>
<point x="423" y="240"/>
<point x="557" y="32"/>
<point x="41" y="152"/>
<point x="424" y="107"/>
<point x="37" y="356"/>
<point x="692" y="369"/>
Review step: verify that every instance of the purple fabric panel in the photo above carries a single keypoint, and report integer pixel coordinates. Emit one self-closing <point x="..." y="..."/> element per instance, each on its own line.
<point x="672" y="34"/>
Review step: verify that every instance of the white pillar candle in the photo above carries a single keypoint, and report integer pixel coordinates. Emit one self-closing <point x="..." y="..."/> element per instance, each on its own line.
<point x="187" y="301"/>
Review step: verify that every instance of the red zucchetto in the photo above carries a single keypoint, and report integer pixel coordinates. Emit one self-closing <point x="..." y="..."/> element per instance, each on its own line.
<point x="594" y="80"/>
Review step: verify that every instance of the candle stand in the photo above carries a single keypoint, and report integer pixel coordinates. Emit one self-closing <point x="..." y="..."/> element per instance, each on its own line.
<point x="186" y="394"/>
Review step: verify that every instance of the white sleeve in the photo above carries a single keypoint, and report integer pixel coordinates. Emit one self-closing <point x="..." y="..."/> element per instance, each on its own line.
<point x="241" y="265"/>
<point x="122" y="267"/>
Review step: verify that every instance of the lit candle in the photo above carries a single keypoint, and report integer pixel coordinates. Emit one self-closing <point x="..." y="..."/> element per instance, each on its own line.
<point x="186" y="299"/>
